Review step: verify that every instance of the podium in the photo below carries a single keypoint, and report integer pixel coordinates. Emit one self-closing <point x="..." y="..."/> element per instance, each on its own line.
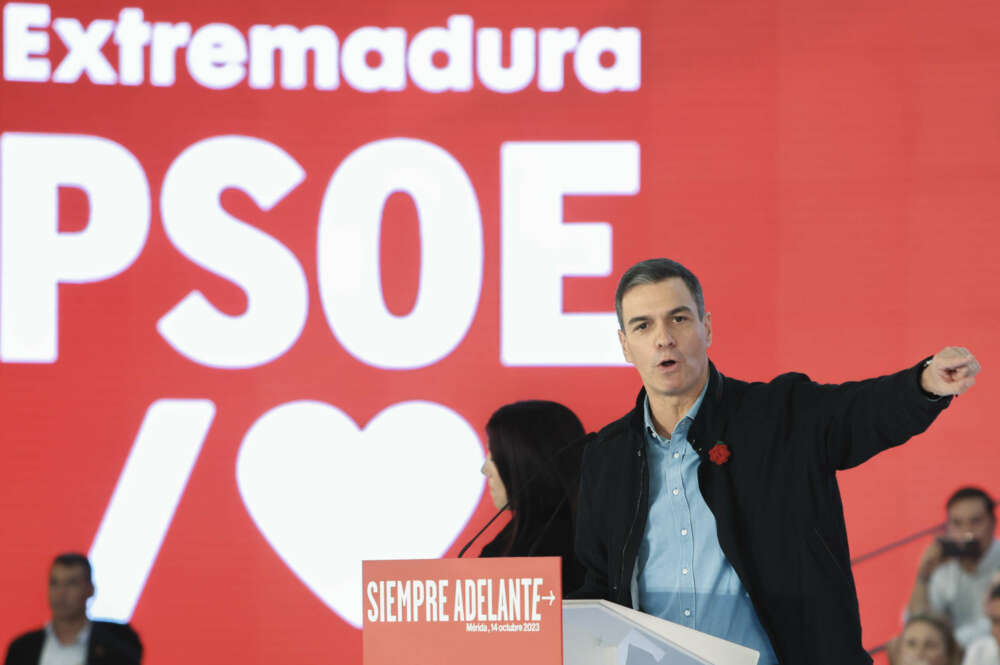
<point x="508" y="611"/>
<point x="597" y="632"/>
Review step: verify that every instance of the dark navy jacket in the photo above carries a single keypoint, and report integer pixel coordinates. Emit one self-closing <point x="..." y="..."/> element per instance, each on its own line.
<point x="776" y="502"/>
<point x="110" y="644"/>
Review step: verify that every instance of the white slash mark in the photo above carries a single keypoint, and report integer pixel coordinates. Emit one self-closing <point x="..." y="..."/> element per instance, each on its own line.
<point x="144" y="501"/>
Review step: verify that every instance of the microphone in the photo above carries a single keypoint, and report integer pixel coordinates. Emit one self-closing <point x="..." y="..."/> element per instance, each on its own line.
<point x="492" y="520"/>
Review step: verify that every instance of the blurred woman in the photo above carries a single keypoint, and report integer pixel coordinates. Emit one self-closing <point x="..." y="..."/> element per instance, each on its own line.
<point x="926" y="640"/>
<point x="533" y="470"/>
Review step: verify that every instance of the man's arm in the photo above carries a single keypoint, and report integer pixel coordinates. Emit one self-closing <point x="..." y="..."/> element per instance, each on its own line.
<point x="860" y="419"/>
<point x="920" y="597"/>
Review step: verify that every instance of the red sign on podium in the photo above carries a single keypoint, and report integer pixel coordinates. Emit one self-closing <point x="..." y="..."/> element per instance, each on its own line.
<point x="483" y="611"/>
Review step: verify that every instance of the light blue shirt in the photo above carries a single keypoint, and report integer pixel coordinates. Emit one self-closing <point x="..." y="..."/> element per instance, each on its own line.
<point x="681" y="573"/>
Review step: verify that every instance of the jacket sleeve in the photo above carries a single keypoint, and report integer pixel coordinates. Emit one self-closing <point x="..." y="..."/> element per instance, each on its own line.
<point x="859" y="419"/>
<point x="591" y="550"/>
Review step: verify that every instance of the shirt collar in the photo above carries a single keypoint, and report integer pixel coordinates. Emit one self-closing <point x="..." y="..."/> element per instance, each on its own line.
<point x="683" y="424"/>
<point x="81" y="637"/>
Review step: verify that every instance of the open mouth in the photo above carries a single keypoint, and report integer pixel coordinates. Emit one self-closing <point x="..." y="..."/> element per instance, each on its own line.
<point x="667" y="364"/>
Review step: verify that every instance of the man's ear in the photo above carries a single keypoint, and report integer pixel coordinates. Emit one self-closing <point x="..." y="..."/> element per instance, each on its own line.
<point x="625" y="350"/>
<point x="707" y="321"/>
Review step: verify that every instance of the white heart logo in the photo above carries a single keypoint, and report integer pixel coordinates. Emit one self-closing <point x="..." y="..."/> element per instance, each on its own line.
<point x="326" y="495"/>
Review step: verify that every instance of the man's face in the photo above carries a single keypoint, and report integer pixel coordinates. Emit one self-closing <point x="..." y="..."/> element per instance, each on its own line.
<point x="69" y="590"/>
<point x="665" y="339"/>
<point x="968" y="519"/>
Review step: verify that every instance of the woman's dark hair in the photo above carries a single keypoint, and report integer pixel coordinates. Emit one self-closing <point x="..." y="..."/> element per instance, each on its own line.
<point x="536" y="446"/>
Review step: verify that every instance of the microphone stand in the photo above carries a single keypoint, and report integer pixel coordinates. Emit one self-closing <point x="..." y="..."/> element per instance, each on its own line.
<point x="492" y="520"/>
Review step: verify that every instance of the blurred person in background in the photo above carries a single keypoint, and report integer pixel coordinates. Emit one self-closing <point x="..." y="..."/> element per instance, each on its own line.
<point x="986" y="649"/>
<point x="533" y="470"/>
<point x="926" y="640"/>
<point x="70" y="638"/>
<point x="955" y="572"/>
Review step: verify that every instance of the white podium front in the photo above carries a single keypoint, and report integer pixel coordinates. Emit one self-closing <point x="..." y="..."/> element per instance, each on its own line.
<point x="596" y="632"/>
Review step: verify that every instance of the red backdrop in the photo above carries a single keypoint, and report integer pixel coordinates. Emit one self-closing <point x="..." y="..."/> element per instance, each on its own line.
<point x="830" y="172"/>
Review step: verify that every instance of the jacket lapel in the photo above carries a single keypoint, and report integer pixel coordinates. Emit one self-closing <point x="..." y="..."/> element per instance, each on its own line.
<point x="715" y="480"/>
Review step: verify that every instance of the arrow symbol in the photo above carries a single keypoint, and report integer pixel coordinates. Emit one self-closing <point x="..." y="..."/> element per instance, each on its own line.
<point x="551" y="598"/>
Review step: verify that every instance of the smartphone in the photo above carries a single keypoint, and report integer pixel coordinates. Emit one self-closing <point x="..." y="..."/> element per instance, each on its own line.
<point x="959" y="549"/>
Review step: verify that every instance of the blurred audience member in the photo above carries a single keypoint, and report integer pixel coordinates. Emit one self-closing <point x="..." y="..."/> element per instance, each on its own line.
<point x="954" y="573"/>
<point x="925" y="640"/>
<point x="533" y="469"/>
<point x="985" y="650"/>
<point x="70" y="638"/>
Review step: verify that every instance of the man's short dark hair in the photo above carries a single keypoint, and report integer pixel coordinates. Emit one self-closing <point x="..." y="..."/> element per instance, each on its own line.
<point x="654" y="271"/>
<point x="994" y="592"/>
<point x="75" y="559"/>
<point x="963" y="493"/>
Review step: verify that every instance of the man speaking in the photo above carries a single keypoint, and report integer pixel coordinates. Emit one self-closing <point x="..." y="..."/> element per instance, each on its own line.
<point x="714" y="502"/>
